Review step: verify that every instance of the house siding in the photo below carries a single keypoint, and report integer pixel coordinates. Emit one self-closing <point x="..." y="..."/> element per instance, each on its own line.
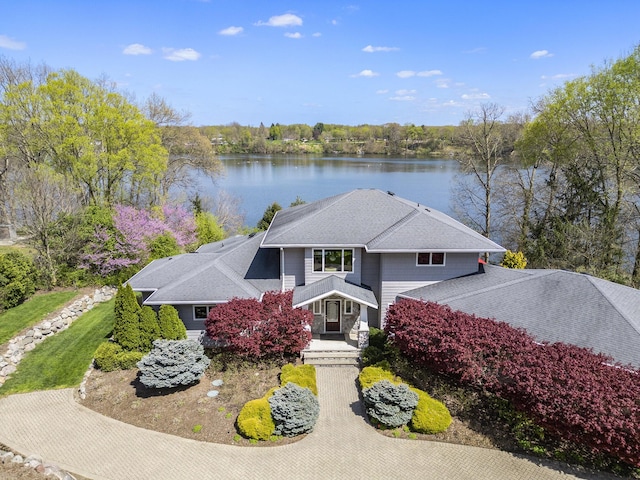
<point x="294" y="267"/>
<point x="399" y="273"/>
<point x="311" y="276"/>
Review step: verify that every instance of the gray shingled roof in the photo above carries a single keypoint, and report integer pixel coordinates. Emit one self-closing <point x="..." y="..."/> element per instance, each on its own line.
<point x="234" y="267"/>
<point x="307" y="294"/>
<point x="375" y="220"/>
<point x="552" y="305"/>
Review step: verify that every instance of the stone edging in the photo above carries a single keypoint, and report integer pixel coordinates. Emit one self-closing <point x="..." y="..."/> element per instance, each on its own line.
<point x="36" y="463"/>
<point x="21" y="344"/>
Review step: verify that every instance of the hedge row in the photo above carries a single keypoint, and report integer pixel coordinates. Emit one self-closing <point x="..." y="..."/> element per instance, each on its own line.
<point x="570" y="391"/>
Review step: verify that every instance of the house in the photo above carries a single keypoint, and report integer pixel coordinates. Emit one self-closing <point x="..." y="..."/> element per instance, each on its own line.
<point x="346" y="258"/>
<point x="551" y="305"/>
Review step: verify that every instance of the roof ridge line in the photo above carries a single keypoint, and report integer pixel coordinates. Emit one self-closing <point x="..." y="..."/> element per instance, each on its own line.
<point x="393" y="228"/>
<point x="590" y="278"/>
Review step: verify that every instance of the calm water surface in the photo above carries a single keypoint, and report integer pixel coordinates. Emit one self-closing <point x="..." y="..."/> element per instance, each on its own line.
<point x="261" y="180"/>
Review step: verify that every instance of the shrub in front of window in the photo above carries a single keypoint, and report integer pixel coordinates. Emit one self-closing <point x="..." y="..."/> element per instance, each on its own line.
<point x="173" y="363"/>
<point x="294" y="410"/>
<point x="389" y="404"/>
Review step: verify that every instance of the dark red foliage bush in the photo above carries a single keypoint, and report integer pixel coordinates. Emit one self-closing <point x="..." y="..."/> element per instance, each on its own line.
<point x="570" y="391"/>
<point x="269" y="328"/>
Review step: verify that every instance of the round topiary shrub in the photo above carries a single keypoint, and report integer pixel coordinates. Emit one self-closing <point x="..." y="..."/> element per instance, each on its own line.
<point x="110" y="356"/>
<point x="255" y="421"/>
<point x="430" y="415"/>
<point x="389" y="404"/>
<point x="172" y="363"/>
<point x="294" y="410"/>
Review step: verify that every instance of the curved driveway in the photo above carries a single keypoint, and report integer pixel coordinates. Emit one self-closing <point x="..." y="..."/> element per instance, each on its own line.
<point x="343" y="446"/>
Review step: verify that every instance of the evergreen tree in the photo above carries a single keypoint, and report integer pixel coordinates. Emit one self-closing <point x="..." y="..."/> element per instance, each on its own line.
<point x="149" y="328"/>
<point x="126" y="329"/>
<point x="171" y="327"/>
<point x="269" y="213"/>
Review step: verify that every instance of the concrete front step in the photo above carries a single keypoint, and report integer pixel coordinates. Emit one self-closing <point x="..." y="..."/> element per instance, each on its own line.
<point x="342" y="357"/>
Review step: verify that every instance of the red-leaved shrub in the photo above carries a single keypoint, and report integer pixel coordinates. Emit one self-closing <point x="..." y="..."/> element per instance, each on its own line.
<point x="269" y="328"/>
<point x="570" y="391"/>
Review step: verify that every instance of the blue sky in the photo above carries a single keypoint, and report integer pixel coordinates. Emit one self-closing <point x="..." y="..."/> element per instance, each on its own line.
<point x="347" y="62"/>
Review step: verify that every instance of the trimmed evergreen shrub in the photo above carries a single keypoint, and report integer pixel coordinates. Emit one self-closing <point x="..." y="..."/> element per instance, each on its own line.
<point x="302" y="375"/>
<point x="255" y="421"/>
<point x="371" y="375"/>
<point x="17" y="279"/>
<point x="171" y="327"/>
<point x="149" y="328"/>
<point x="430" y="415"/>
<point x="389" y="404"/>
<point x="372" y="355"/>
<point x="172" y="363"/>
<point x="126" y="328"/>
<point x="110" y="356"/>
<point x="377" y="338"/>
<point x="294" y="410"/>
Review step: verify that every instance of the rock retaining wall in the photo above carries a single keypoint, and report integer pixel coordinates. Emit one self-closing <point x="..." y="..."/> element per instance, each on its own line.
<point x="21" y="344"/>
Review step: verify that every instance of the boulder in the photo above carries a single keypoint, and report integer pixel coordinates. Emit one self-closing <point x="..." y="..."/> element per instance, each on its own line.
<point x="5" y="457"/>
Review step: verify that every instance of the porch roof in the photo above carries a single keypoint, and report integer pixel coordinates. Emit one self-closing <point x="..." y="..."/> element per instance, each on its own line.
<point x="331" y="285"/>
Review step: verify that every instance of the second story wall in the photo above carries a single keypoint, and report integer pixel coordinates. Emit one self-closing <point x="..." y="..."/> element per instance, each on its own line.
<point x="294" y="267"/>
<point x="313" y="276"/>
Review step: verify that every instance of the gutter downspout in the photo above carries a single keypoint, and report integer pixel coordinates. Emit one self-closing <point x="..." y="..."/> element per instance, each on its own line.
<point x="282" y="267"/>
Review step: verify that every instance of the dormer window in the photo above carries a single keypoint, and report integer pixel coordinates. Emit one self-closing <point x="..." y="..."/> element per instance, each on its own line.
<point x="430" y="258"/>
<point x="333" y="260"/>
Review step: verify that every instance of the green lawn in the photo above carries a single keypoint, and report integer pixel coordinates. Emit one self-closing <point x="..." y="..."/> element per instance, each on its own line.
<point x="62" y="360"/>
<point x="31" y="312"/>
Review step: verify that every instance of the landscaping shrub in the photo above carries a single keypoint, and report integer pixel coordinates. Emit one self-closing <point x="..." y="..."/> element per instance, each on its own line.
<point x="172" y="363"/>
<point x="171" y="327"/>
<point x="302" y="375"/>
<point x="430" y="416"/>
<point x="126" y="328"/>
<point x="571" y="392"/>
<point x="149" y="328"/>
<point x="17" y="279"/>
<point x="389" y="404"/>
<point x="377" y="338"/>
<point x="255" y="421"/>
<point x="110" y="356"/>
<point x="294" y="410"/>
<point x="371" y="375"/>
<point x="271" y="328"/>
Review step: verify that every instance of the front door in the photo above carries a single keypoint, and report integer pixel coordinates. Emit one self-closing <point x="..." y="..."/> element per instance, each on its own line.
<point x="332" y="318"/>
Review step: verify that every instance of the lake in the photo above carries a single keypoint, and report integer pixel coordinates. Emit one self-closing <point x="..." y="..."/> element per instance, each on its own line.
<point x="260" y="180"/>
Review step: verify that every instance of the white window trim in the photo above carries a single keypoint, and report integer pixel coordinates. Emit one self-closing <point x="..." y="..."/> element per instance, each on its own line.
<point x="316" y="307"/>
<point x="348" y="307"/>
<point x="313" y="256"/>
<point x="444" y="260"/>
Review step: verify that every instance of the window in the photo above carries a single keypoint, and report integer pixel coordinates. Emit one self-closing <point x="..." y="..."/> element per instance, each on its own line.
<point x="317" y="307"/>
<point x="430" y="258"/>
<point x="332" y="260"/>
<point x="348" y="307"/>
<point x="200" y="312"/>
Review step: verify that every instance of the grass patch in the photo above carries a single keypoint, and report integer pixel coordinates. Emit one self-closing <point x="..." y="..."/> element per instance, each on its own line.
<point x="62" y="360"/>
<point x="31" y="312"/>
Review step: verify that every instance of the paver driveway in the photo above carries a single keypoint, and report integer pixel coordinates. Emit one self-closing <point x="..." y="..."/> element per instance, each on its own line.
<point x="343" y="446"/>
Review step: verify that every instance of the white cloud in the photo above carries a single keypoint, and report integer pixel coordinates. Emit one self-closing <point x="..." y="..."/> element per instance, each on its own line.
<point x="559" y="76"/>
<point x="180" y="54"/>
<point x="11" y="44"/>
<point x="540" y="54"/>
<point x="403" y="98"/>
<point x="286" y="20"/>
<point x="475" y="96"/>
<point x="317" y="34"/>
<point x="429" y="73"/>
<point x="372" y="49"/>
<point x="231" y="31"/>
<point x="405" y="92"/>
<point x="406" y="73"/>
<point x="136" y="49"/>
<point x="442" y="83"/>
<point x="382" y="92"/>
<point x="293" y="35"/>
<point x="366" y="73"/>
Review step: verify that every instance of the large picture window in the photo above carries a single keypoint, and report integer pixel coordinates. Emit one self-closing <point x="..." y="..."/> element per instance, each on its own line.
<point x="200" y="312"/>
<point x="430" y="258"/>
<point x="332" y="260"/>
